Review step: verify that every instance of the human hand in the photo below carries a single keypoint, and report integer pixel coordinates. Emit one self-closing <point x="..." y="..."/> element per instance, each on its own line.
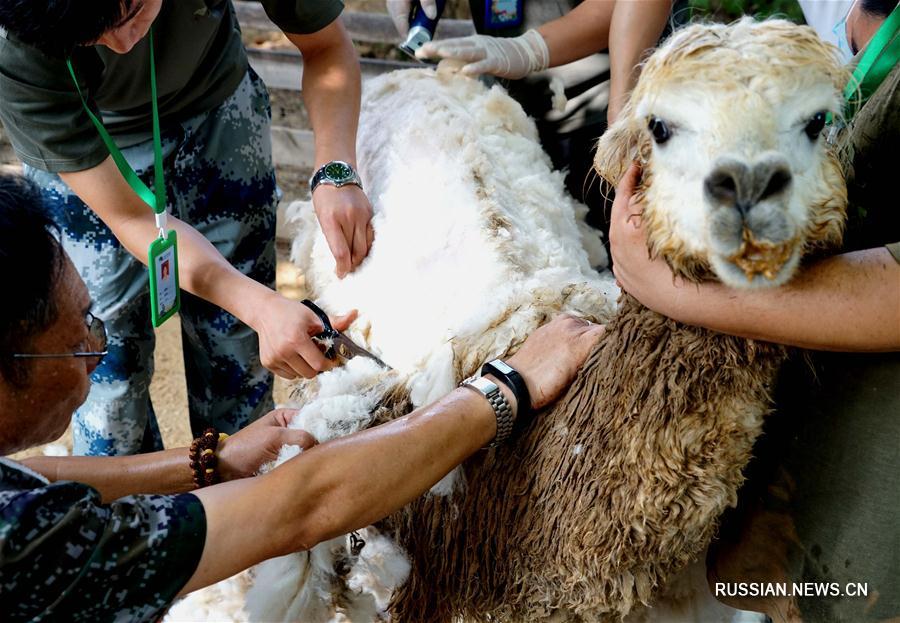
<point x="243" y="453"/>
<point x="647" y="279"/>
<point x="345" y="216"/>
<point x="512" y="58"/>
<point x="285" y="329"/>
<point x="551" y="356"/>
<point x="399" y="11"/>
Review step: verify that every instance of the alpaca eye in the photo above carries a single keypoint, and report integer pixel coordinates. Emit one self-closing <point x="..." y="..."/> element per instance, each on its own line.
<point x="659" y="129"/>
<point x="815" y="125"/>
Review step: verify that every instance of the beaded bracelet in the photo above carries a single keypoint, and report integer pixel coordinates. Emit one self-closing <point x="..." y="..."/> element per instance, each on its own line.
<point x="203" y="458"/>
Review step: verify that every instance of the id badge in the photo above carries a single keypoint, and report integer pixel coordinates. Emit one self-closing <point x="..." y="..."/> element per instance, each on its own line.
<point x="165" y="295"/>
<point x="503" y="13"/>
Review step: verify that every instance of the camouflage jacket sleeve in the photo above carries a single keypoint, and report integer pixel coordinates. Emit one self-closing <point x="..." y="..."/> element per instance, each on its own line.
<point x="66" y="556"/>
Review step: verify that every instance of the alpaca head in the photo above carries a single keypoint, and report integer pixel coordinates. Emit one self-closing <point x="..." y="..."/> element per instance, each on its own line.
<point x="728" y="123"/>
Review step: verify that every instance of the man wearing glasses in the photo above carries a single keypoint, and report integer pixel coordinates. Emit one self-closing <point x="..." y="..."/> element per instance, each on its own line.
<point x="119" y="538"/>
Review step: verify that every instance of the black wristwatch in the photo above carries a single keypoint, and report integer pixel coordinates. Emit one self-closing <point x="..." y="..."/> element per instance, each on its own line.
<point x="335" y="173"/>
<point x="508" y="375"/>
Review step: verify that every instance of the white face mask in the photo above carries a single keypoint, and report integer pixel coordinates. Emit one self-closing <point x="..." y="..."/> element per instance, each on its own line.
<point x="840" y="33"/>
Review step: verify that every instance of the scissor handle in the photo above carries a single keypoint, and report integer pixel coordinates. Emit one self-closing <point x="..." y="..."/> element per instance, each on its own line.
<point x="328" y="331"/>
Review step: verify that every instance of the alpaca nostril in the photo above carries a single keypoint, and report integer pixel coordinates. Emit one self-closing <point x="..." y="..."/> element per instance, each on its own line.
<point x="778" y="182"/>
<point x="722" y="186"/>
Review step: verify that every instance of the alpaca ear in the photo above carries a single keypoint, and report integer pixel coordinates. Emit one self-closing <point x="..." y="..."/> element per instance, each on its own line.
<point x="618" y="147"/>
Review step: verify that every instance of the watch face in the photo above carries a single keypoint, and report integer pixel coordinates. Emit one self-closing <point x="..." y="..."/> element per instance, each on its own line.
<point x="338" y="171"/>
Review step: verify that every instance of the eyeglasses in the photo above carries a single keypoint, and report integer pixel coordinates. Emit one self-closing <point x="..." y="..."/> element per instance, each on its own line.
<point x="97" y="332"/>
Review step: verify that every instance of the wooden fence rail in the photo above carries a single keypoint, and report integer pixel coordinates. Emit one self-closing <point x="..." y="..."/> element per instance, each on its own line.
<point x="365" y="27"/>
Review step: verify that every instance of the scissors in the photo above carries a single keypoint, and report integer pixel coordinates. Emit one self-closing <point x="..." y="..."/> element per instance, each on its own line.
<point x="337" y="343"/>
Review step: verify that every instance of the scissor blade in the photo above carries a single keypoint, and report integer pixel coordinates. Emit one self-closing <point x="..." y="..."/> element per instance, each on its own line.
<point x="348" y="349"/>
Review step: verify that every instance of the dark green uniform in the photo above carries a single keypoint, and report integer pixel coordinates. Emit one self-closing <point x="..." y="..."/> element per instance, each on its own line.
<point x="200" y="61"/>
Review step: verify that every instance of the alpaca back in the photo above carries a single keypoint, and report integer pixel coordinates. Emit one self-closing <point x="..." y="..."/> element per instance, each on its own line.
<point x="607" y="494"/>
<point x="476" y="239"/>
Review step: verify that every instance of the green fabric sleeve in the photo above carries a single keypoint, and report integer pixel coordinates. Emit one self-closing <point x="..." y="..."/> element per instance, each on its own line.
<point x="42" y="114"/>
<point x="894" y="248"/>
<point x="302" y="17"/>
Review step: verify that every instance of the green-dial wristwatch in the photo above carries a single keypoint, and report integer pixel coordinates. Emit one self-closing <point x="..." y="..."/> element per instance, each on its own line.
<point x="336" y="173"/>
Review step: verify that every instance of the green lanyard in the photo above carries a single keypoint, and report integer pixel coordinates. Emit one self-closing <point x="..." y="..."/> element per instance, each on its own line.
<point x="876" y="63"/>
<point x="162" y="255"/>
<point x="156" y="201"/>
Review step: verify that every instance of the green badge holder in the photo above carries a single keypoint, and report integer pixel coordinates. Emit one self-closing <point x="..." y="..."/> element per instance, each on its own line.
<point x="162" y="263"/>
<point x="162" y="256"/>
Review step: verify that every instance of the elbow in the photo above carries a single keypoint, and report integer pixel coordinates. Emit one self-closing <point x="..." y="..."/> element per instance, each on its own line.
<point x="315" y="513"/>
<point x="304" y="533"/>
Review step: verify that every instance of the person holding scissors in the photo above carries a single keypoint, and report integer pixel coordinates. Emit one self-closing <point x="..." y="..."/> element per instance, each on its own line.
<point x="148" y="134"/>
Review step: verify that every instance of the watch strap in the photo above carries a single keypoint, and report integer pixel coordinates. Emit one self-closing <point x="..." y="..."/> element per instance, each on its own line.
<point x="502" y="409"/>
<point x="510" y="377"/>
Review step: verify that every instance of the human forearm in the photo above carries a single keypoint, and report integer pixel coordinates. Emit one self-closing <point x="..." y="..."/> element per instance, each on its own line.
<point x="331" y="88"/>
<point x="353" y="481"/>
<point x="636" y="26"/>
<point x="284" y="326"/>
<point x="164" y="472"/>
<point x="849" y="302"/>
<point x="579" y="33"/>
<point x="202" y="269"/>
<point x="361" y="479"/>
<point x="338" y="486"/>
<point x="331" y="91"/>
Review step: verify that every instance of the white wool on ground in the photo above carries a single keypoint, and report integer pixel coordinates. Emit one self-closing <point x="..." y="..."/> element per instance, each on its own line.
<point x="380" y="567"/>
<point x="381" y="564"/>
<point x="558" y="88"/>
<point x="220" y="602"/>
<point x="56" y="449"/>
<point x="476" y="244"/>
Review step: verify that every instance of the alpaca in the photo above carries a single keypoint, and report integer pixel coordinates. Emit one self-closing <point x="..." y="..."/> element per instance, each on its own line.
<point x="610" y="493"/>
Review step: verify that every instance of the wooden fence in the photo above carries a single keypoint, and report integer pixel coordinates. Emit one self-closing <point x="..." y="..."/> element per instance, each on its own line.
<point x="283" y="68"/>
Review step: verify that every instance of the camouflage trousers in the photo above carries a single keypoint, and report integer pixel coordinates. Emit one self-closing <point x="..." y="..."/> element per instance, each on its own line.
<point x="220" y="179"/>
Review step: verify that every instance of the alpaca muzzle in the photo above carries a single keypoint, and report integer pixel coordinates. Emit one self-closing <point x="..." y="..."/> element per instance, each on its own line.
<point x="751" y="199"/>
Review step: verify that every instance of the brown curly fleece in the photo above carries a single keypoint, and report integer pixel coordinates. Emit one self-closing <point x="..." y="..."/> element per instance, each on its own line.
<point x="603" y="496"/>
